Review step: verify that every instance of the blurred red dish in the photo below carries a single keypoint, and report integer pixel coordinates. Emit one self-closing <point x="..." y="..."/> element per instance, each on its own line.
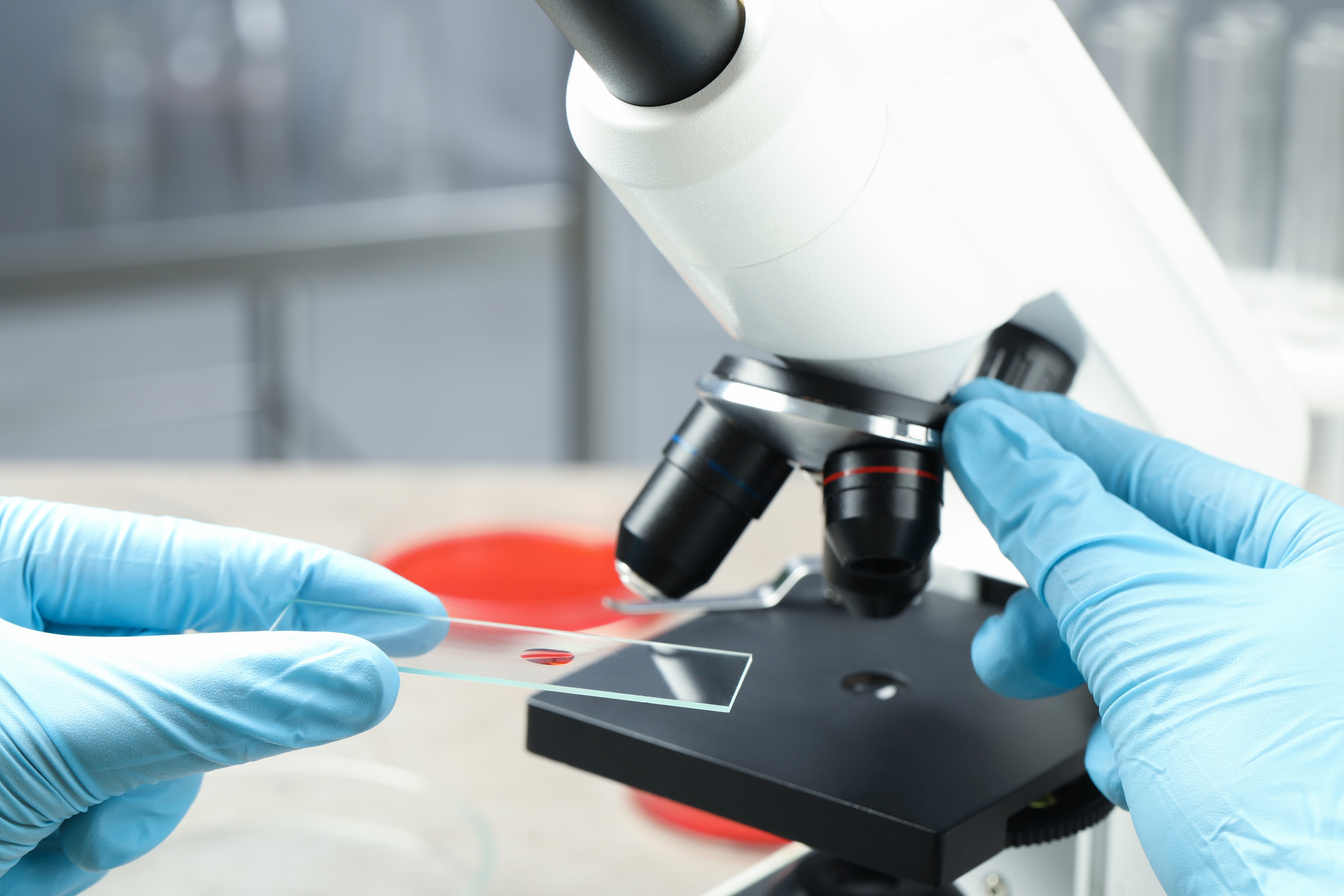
<point x="696" y="821"/>
<point x="539" y="579"/>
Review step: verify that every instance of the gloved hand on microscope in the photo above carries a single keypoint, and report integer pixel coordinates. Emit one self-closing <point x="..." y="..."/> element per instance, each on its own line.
<point x="103" y="739"/>
<point x="1203" y="606"/>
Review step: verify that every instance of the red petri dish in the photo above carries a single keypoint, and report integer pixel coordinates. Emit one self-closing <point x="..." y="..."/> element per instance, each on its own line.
<point x="519" y="577"/>
<point x="697" y="821"/>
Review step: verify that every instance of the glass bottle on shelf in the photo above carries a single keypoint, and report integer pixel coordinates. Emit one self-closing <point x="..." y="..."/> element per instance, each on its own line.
<point x="1311" y="207"/>
<point x="1077" y="12"/>
<point x="394" y="138"/>
<point x="262" y="116"/>
<point x="194" y="92"/>
<point x="1229" y="170"/>
<point x="1136" y="44"/>
<point x="107" y="122"/>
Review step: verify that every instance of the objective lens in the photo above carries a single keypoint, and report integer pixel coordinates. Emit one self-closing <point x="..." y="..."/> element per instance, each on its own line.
<point x="714" y="479"/>
<point x="883" y="507"/>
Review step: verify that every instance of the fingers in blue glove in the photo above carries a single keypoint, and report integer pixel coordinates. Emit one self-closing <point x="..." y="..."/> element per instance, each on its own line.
<point x="92" y="723"/>
<point x="78" y="568"/>
<point x="119" y="713"/>
<point x="1102" y="767"/>
<point x="1020" y="653"/>
<point x="48" y="871"/>
<point x="1097" y="563"/>
<point x="397" y="633"/>
<point x="126" y="827"/>
<point x="1228" y="510"/>
<point x="1047" y="510"/>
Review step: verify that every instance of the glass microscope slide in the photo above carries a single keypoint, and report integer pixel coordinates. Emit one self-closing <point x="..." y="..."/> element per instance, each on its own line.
<point x="536" y="658"/>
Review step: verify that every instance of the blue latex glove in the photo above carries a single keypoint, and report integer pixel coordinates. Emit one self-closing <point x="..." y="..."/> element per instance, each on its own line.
<point x="1202" y="605"/>
<point x="103" y="739"/>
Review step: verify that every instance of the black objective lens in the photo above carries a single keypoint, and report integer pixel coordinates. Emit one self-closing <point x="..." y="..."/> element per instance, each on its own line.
<point x="883" y="506"/>
<point x="714" y="479"/>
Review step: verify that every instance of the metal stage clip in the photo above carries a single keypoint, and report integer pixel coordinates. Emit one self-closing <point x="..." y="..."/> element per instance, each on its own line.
<point x="763" y="598"/>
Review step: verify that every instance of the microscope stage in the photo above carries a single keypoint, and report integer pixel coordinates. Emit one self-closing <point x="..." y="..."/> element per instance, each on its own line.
<point x="872" y="740"/>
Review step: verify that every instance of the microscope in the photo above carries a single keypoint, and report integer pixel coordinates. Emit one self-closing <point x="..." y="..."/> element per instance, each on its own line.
<point x="885" y="198"/>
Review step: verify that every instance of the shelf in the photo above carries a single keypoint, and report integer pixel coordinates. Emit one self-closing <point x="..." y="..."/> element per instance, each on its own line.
<point x="259" y="241"/>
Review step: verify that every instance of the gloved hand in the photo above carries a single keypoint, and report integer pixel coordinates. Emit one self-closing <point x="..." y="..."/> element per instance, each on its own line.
<point x="1203" y="605"/>
<point x="103" y="739"/>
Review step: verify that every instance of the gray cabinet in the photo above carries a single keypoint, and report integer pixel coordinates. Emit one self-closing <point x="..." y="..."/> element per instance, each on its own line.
<point x="139" y="374"/>
<point x="417" y="329"/>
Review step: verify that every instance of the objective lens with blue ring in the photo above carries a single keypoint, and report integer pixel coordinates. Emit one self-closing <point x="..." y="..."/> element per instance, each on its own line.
<point x="714" y="479"/>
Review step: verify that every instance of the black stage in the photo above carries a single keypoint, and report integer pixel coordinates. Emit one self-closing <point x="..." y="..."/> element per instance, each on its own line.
<point x="920" y="784"/>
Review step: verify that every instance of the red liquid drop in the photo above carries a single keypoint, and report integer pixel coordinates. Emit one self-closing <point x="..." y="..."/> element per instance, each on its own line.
<point x="545" y="656"/>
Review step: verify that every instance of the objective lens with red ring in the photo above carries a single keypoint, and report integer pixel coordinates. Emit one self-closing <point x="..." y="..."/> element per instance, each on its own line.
<point x="883" y="509"/>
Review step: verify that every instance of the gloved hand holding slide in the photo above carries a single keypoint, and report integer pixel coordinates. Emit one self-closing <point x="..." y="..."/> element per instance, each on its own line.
<point x="103" y="739"/>
<point x="110" y="711"/>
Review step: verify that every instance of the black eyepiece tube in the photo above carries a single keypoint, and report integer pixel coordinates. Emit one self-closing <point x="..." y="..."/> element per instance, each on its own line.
<point x="652" y="52"/>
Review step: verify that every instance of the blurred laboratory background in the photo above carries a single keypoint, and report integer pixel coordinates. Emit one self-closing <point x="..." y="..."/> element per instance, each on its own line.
<point x="356" y="230"/>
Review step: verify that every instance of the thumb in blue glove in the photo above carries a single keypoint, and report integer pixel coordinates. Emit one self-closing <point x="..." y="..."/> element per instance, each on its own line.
<point x="103" y="739"/>
<point x="1200" y="602"/>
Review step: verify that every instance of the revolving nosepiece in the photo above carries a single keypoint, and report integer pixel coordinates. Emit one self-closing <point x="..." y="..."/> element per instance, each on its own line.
<point x="652" y="52"/>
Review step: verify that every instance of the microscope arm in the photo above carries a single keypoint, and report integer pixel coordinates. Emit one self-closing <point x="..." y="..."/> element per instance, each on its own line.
<point x="870" y="187"/>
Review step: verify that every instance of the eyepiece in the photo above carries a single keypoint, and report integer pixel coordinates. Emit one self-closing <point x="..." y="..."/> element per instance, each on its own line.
<point x="652" y="52"/>
<point x="883" y="507"/>
<point x="714" y="479"/>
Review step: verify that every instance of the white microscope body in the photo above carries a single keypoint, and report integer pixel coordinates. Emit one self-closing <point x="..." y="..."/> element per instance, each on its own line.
<point x="872" y="186"/>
